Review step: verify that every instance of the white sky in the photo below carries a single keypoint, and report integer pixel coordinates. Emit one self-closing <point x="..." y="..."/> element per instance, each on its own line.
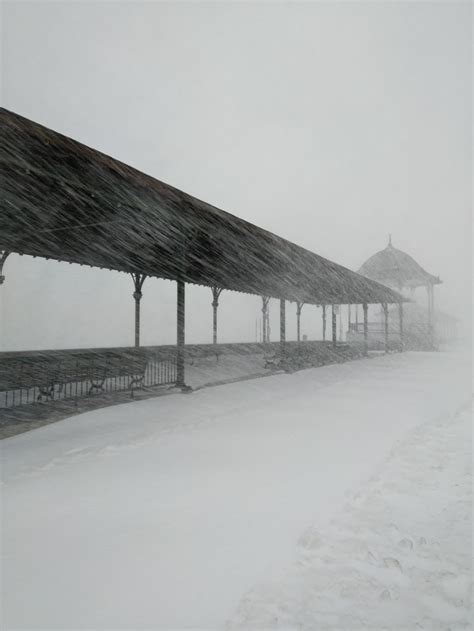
<point x="331" y="124"/>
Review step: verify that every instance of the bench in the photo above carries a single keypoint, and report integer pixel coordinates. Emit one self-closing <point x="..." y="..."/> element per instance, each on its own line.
<point x="192" y="354"/>
<point x="50" y="375"/>
<point x="272" y="361"/>
<point x="20" y="374"/>
<point x="95" y="371"/>
<point x="305" y="356"/>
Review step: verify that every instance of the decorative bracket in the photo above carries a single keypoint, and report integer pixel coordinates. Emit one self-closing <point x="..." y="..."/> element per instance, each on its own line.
<point x="3" y="257"/>
<point x="299" y="307"/>
<point x="138" y="280"/>
<point x="216" y="292"/>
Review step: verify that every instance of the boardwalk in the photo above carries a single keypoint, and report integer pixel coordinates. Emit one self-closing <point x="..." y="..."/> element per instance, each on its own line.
<point x="165" y="512"/>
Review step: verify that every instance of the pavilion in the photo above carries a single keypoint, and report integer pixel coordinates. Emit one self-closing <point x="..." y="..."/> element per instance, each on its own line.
<point x="398" y="270"/>
<point x="62" y="200"/>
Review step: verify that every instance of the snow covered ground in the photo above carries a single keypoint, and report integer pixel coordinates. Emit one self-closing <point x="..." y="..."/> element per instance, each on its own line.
<point x="397" y="556"/>
<point x="185" y="511"/>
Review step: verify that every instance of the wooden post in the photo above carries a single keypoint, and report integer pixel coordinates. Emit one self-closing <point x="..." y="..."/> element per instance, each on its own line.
<point x="334" y="327"/>
<point x="400" y="321"/>
<point x="299" y="306"/>
<point x="365" y="308"/>
<point x="138" y="280"/>
<point x="180" y="333"/>
<point x="385" y="313"/>
<point x="324" y="322"/>
<point x="216" y="292"/>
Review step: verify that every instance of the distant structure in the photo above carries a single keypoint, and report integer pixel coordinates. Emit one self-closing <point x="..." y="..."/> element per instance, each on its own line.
<point x="398" y="270"/>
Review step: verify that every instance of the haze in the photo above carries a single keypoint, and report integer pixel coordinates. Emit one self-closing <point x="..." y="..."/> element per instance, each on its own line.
<point x="330" y="124"/>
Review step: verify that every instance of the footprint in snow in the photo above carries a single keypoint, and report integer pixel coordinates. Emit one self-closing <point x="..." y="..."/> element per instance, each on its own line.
<point x="393" y="563"/>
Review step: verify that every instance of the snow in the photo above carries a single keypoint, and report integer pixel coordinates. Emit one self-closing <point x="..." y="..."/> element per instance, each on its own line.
<point x="397" y="556"/>
<point x="176" y="512"/>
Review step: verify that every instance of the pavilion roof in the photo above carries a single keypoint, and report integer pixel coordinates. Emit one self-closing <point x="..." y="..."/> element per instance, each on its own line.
<point x="396" y="268"/>
<point x="62" y="200"/>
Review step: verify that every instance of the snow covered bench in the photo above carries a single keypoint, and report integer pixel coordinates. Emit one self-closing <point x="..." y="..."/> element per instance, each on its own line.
<point x="100" y="371"/>
<point x="272" y="361"/>
<point x="196" y="353"/>
<point x="303" y="355"/>
<point x="46" y="376"/>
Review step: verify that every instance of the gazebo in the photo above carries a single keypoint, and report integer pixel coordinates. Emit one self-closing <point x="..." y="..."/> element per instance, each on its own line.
<point x="397" y="269"/>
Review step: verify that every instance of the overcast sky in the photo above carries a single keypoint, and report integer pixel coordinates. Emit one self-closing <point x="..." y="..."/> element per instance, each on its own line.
<point x="332" y="124"/>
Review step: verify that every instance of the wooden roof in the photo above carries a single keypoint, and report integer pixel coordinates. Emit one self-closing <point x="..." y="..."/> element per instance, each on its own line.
<point x="62" y="200"/>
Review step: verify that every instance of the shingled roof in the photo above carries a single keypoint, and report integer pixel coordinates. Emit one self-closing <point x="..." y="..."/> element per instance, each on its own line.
<point x="396" y="268"/>
<point x="62" y="200"/>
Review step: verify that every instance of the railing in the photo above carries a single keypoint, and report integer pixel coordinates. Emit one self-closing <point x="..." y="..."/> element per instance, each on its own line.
<point x="58" y="375"/>
<point x="372" y="327"/>
<point x="44" y="376"/>
<point x="416" y="335"/>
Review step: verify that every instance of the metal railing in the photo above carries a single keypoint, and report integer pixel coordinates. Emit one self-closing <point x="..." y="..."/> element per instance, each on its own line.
<point x="27" y="378"/>
<point x="44" y="376"/>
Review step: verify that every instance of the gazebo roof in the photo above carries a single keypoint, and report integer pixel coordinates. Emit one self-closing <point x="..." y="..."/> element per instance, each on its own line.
<point x="396" y="268"/>
<point x="62" y="200"/>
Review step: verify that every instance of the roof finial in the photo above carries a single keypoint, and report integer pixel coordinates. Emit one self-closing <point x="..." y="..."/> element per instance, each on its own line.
<point x="390" y="239"/>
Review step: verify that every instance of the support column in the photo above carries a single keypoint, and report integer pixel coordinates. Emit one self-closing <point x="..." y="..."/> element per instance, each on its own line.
<point x="3" y="258"/>
<point x="334" y="327"/>
<point x="138" y="280"/>
<point x="216" y="292"/>
<point x="400" y="322"/>
<point x="433" y="321"/>
<point x="430" y="292"/>
<point x="385" y="318"/>
<point x="268" y="328"/>
<point x="266" y="332"/>
<point x="430" y="336"/>
<point x="324" y="322"/>
<point x="282" y="327"/>
<point x="365" y="308"/>
<point x="299" y="306"/>
<point x="180" y="318"/>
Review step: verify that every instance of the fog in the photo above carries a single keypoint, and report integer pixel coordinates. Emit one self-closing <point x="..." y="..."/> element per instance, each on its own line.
<point x="330" y="124"/>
